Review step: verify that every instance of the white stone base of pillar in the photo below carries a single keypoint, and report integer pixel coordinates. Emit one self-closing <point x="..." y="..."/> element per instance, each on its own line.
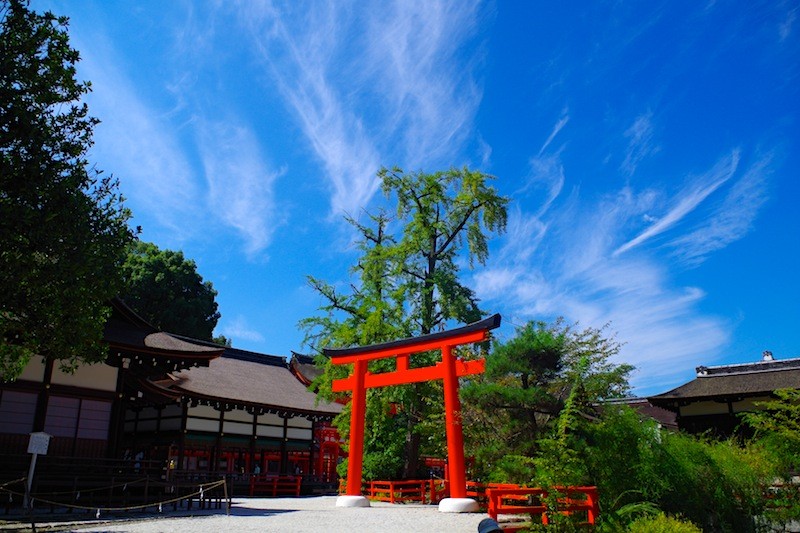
<point x="352" y="501"/>
<point x="458" y="505"/>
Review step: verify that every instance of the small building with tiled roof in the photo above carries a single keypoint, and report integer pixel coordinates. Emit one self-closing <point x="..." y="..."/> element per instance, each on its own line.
<point x="665" y="418"/>
<point x="713" y="400"/>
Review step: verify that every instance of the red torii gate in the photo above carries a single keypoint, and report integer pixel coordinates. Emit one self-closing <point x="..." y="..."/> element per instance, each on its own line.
<point x="448" y="369"/>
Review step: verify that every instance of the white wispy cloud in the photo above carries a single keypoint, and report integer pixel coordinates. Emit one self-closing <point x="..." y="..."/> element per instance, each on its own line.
<point x="413" y="58"/>
<point x="557" y="128"/>
<point x="640" y="143"/>
<point x="568" y="262"/>
<point x="785" y="28"/>
<point x="546" y="172"/>
<point x="155" y="164"/>
<point x="545" y="176"/>
<point x="661" y="325"/>
<point x="732" y="219"/>
<point x="371" y="87"/>
<point x="138" y="144"/>
<point x="697" y="191"/>
<point x="238" y="329"/>
<point x="523" y="235"/>
<point x="299" y="55"/>
<point x="240" y="184"/>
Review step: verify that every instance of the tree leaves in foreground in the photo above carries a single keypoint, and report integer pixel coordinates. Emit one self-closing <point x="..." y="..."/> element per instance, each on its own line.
<point x="545" y="374"/>
<point x="166" y="290"/>
<point x="63" y="228"/>
<point x="406" y="282"/>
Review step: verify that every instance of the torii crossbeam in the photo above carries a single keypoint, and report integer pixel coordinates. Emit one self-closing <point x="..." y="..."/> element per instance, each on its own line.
<point x="449" y="369"/>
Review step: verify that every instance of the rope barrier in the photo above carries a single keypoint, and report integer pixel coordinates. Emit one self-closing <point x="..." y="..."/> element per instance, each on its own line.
<point x="202" y="488"/>
<point x="98" y="489"/>
<point x="7" y="483"/>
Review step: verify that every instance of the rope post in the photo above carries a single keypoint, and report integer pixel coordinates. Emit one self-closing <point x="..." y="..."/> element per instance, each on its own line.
<point x="227" y="498"/>
<point x="146" y="492"/>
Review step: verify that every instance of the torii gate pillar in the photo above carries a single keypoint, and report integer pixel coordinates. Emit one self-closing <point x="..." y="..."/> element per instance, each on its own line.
<point x="449" y="370"/>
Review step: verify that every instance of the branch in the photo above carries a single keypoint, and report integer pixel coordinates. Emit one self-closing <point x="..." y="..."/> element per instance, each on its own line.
<point x="413" y="274"/>
<point x="458" y="228"/>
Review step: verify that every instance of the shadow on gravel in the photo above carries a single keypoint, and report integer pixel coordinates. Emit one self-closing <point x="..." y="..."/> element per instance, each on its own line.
<point x="249" y="511"/>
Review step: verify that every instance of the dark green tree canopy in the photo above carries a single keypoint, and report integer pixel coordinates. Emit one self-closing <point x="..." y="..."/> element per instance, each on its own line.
<point x="63" y="228"/>
<point x="165" y="289"/>
<point x="530" y="383"/>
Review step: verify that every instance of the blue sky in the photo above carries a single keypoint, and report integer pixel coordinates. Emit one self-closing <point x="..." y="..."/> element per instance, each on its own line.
<point x="649" y="149"/>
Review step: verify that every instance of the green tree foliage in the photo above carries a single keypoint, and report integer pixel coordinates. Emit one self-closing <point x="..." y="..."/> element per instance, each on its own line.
<point x="373" y="312"/>
<point x="442" y="213"/>
<point x="777" y="424"/>
<point x="777" y="432"/>
<point x="63" y="228"/>
<point x="165" y="289"/>
<point x="662" y="523"/>
<point x="718" y="485"/>
<point x="529" y="381"/>
<point x="407" y="283"/>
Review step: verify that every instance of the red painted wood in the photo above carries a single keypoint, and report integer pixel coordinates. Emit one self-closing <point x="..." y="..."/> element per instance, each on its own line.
<point x="357" y="416"/>
<point x="449" y="370"/>
<point x="455" y="434"/>
<point x="569" y="504"/>
<point x="476" y="336"/>
<point x="414" y="375"/>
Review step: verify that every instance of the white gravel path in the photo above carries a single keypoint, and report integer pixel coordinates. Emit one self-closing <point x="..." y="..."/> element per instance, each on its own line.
<point x="312" y="514"/>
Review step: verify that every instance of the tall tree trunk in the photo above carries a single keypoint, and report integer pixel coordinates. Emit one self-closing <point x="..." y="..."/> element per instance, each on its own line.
<point x="411" y="465"/>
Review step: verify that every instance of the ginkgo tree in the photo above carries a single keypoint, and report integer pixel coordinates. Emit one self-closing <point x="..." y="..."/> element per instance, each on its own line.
<point x="407" y="282"/>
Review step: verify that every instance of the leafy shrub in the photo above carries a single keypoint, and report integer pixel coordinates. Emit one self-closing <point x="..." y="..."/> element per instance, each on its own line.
<point x="662" y="523"/>
<point x="717" y="485"/>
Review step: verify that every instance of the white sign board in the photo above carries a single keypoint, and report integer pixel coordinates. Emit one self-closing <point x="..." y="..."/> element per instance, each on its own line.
<point x="39" y="443"/>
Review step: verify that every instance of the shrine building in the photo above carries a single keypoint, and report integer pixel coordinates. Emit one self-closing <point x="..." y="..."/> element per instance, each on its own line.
<point x="189" y="405"/>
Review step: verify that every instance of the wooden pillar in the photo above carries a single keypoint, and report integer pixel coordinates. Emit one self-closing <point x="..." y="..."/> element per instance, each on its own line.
<point x="44" y="397"/>
<point x="253" y="439"/>
<point x="357" y="416"/>
<point x="311" y="463"/>
<point x="216" y="456"/>
<point x="455" y="434"/>
<point x="74" y="446"/>
<point x="182" y="436"/>
<point x="284" y="451"/>
<point x="116" y="426"/>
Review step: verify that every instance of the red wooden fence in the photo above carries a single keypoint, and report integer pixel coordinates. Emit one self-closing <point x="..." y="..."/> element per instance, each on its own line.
<point x="275" y="485"/>
<point x="532" y="501"/>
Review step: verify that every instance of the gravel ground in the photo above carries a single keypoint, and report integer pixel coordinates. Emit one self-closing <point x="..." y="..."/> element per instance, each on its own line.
<point x="312" y="514"/>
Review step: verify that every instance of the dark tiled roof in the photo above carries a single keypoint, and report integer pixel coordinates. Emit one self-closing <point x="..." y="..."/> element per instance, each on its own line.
<point x="304" y="368"/>
<point x="126" y="330"/>
<point x="239" y="376"/>
<point x="750" y="379"/>
<point x="248" y="382"/>
<point x="663" y="416"/>
<point x="489" y="323"/>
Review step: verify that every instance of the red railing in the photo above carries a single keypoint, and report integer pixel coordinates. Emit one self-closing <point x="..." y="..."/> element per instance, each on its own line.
<point x="399" y="491"/>
<point x="477" y="490"/>
<point x="413" y="490"/>
<point x="438" y="489"/>
<point x="501" y="498"/>
<point x="569" y="500"/>
<point x="275" y="485"/>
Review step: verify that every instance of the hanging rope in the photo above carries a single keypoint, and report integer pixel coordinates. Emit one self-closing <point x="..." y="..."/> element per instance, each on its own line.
<point x="95" y="489"/>
<point x="200" y="493"/>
